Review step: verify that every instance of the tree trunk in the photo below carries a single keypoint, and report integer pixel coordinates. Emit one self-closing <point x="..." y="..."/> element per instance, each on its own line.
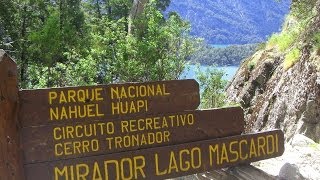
<point x="136" y="10"/>
<point x="108" y="8"/>
<point x="98" y="9"/>
<point x="24" y="60"/>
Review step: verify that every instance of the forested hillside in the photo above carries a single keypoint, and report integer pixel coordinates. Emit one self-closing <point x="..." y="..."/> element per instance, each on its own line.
<point x="226" y="56"/>
<point x="232" y="21"/>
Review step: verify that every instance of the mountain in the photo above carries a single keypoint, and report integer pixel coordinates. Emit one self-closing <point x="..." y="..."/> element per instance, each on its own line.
<point x="232" y="21"/>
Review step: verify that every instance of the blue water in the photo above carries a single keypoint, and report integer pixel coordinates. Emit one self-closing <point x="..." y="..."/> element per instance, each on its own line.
<point x="190" y="71"/>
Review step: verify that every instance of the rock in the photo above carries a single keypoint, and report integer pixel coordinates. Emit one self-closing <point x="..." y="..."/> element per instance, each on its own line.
<point x="242" y="172"/>
<point x="301" y="160"/>
<point x="312" y="112"/>
<point x="276" y="98"/>
<point x="301" y="141"/>
<point x="290" y="172"/>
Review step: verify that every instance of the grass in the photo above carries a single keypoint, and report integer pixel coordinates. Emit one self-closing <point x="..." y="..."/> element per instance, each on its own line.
<point x="290" y="33"/>
<point x="291" y="58"/>
<point x="283" y="40"/>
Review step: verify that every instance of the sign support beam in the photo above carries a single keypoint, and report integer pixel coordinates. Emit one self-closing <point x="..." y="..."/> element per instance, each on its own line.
<point x="10" y="151"/>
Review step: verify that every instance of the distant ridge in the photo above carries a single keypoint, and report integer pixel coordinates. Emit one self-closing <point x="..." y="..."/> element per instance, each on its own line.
<point x="232" y="21"/>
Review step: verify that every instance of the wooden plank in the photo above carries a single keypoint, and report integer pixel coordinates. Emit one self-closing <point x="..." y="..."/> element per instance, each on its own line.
<point x="10" y="152"/>
<point x="73" y="140"/>
<point x="57" y="105"/>
<point x="165" y="162"/>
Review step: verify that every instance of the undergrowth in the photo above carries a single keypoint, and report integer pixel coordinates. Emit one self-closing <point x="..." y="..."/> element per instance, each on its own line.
<point x="291" y="58"/>
<point x="283" y="40"/>
<point x="292" y="29"/>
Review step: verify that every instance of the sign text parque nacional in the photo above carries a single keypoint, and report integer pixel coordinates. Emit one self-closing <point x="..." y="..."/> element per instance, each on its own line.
<point x="76" y="104"/>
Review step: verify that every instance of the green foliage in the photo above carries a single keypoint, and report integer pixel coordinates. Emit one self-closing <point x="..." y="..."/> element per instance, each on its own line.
<point x="109" y="49"/>
<point x="252" y="63"/>
<point x="46" y="43"/>
<point x="77" y="42"/>
<point x="212" y="87"/>
<point x="291" y="58"/>
<point x="283" y="40"/>
<point x="160" y="48"/>
<point x="81" y="72"/>
<point x="8" y="24"/>
<point x="292" y="30"/>
<point x="303" y="9"/>
<point x="156" y="51"/>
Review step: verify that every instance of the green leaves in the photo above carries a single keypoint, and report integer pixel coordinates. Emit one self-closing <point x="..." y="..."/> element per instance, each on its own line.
<point x="212" y="87"/>
<point x="46" y="43"/>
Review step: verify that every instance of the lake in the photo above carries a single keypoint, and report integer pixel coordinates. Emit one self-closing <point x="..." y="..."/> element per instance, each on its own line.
<point x="190" y="71"/>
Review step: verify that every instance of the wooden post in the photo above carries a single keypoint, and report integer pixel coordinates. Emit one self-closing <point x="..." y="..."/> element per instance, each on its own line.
<point x="10" y="152"/>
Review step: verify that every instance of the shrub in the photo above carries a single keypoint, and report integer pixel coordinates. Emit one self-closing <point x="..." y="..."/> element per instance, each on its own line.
<point x="291" y="58"/>
<point x="251" y="65"/>
<point x="254" y="61"/>
<point x="212" y="87"/>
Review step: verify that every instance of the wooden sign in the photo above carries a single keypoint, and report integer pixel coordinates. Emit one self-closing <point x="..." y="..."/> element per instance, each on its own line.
<point x="164" y="162"/>
<point x="120" y="131"/>
<point x="76" y="104"/>
<point x="73" y="140"/>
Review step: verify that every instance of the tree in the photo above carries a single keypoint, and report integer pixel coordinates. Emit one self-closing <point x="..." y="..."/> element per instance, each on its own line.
<point x="212" y="87"/>
<point x="62" y="42"/>
<point x="157" y="50"/>
<point x="136" y="10"/>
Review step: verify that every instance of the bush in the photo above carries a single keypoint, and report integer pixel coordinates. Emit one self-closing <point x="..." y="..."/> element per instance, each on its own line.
<point x="212" y="87"/>
<point x="291" y="58"/>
